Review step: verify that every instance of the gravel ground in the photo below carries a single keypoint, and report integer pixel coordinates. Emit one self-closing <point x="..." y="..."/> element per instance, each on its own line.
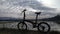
<point x="15" y="31"/>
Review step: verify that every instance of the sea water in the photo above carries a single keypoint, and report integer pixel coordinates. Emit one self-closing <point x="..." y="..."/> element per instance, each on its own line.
<point x="54" y="26"/>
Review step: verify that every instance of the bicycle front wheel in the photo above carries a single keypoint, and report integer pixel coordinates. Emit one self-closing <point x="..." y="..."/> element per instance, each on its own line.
<point x="43" y="27"/>
<point x="22" y="26"/>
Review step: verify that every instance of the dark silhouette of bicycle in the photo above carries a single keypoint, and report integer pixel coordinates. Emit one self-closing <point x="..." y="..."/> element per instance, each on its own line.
<point x="42" y="26"/>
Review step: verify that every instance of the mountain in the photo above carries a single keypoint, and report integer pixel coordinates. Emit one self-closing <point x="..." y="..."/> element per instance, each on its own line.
<point x="8" y="19"/>
<point x="56" y="18"/>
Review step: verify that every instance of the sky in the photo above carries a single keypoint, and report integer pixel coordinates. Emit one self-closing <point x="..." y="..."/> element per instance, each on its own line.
<point x="50" y="3"/>
<point x="13" y="8"/>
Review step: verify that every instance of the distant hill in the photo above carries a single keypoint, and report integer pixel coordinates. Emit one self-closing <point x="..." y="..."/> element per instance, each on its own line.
<point x="8" y="18"/>
<point x="56" y="18"/>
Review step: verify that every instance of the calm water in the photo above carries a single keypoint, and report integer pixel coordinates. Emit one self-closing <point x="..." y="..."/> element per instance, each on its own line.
<point x="54" y="25"/>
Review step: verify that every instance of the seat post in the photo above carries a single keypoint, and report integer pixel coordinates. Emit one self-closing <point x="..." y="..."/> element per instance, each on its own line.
<point x="37" y="13"/>
<point x="35" y="21"/>
<point x="36" y="18"/>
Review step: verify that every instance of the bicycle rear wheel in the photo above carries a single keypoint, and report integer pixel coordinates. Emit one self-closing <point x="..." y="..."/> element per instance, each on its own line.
<point x="22" y="26"/>
<point x="44" y="27"/>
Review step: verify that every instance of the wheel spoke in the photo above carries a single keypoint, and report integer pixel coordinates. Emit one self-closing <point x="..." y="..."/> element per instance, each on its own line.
<point x="43" y="26"/>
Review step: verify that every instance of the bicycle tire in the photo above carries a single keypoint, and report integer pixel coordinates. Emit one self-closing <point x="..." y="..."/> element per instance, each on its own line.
<point x="45" y="24"/>
<point x="18" y="25"/>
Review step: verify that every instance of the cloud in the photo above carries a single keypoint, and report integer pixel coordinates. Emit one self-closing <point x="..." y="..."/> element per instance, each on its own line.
<point x="13" y="8"/>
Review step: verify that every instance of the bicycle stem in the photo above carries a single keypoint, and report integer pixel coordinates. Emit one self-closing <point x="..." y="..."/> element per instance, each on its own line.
<point x="24" y="15"/>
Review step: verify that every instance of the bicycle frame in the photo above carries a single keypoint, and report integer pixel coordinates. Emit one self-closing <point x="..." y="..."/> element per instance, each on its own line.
<point x="34" y="24"/>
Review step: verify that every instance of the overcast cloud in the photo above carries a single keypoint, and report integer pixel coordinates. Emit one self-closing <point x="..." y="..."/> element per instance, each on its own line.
<point x="13" y="8"/>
